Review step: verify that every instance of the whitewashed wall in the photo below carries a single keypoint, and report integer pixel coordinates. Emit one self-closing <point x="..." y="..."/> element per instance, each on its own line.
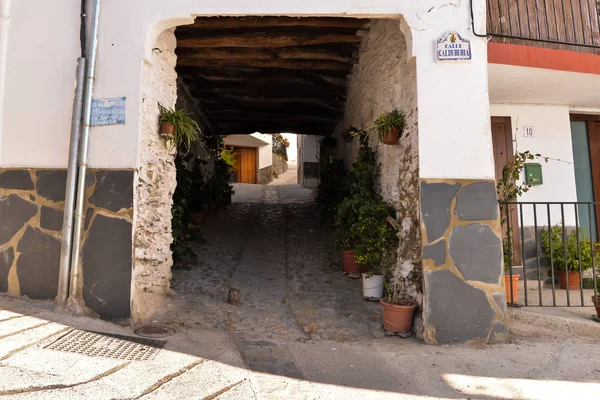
<point x="41" y="67"/>
<point x="265" y="153"/>
<point x="41" y="58"/>
<point x="292" y="151"/>
<point x="552" y="139"/>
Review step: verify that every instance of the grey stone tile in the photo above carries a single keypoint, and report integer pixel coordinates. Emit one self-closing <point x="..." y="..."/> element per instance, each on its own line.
<point x="6" y="259"/>
<point x="477" y="252"/>
<point x="18" y="179"/>
<point x="15" y="212"/>
<point x="436" y="199"/>
<point x="51" y="184"/>
<point x="38" y="264"/>
<point x="458" y="312"/>
<point x="114" y="190"/>
<point x="51" y="219"/>
<point x="477" y="202"/>
<point x="107" y="262"/>
<point x="436" y="252"/>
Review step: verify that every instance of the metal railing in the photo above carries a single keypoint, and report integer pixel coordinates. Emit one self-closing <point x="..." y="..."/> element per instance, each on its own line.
<point x="552" y="240"/>
<point x="573" y="22"/>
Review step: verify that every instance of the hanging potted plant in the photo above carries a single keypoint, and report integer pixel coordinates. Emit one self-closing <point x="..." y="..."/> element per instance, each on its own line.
<point x="376" y="240"/>
<point x="390" y="126"/>
<point x="578" y="257"/>
<point x="178" y="127"/>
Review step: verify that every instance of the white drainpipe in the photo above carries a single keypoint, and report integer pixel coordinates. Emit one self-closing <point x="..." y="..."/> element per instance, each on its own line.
<point x="74" y="289"/>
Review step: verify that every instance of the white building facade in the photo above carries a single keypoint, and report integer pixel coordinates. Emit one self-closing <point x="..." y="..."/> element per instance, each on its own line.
<point x="440" y="178"/>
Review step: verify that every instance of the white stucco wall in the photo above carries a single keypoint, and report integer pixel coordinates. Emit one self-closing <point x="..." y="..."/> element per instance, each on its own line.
<point x="265" y="153"/>
<point x="41" y="58"/>
<point x="310" y="147"/>
<point x="128" y="32"/>
<point x="552" y="139"/>
<point x="292" y="151"/>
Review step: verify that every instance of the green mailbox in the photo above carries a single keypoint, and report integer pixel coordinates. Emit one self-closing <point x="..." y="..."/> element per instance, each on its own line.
<point x="533" y="174"/>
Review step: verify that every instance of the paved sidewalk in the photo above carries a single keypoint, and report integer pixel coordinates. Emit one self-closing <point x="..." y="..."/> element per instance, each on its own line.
<point x="208" y="364"/>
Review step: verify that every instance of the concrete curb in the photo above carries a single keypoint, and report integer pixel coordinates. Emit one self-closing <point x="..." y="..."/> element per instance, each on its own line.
<point x="573" y="326"/>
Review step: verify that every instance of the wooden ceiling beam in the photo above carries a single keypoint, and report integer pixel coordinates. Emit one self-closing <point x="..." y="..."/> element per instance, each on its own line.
<point x="238" y="74"/>
<point x="283" y="64"/>
<point x="268" y="22"/>
<point x="283" y="53"/>
<point x="261" y="40"/>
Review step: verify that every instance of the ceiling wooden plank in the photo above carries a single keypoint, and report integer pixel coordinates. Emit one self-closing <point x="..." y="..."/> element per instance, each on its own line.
<point x="283" y="64"/>
<point x="266" y="22"/>
<point x="262" y="40"/>
<point x="285" y="53"/>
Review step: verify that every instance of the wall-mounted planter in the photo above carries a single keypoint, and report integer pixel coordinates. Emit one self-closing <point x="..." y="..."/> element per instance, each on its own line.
<point x="391" y="137"/>
<point x="167" y="131"/>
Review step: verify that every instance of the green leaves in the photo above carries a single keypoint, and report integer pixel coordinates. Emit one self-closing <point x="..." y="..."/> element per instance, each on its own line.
<point x="187" y="130"/>
<point x="390" y="120"/>
<point x="576" y="258"/>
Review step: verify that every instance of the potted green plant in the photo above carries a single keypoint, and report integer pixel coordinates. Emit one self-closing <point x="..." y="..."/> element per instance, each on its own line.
<point x="346" y="217"/>
<point x="361" y="191"/>
<point x="578" y="257"/>
<point x="178" y="127"/>
<point x="390" y="126"/>
<point x="376" y="241"/>
<point x="507" y="258"/>
<point x="398" y="310"/>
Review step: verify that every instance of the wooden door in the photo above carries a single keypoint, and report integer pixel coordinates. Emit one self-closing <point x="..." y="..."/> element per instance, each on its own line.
<point x="503" y="153"/>
<point x="594" y="138"/>
<point x="246" y="165"/>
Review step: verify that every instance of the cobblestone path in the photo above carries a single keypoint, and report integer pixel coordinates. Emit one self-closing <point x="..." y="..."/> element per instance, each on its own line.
<point x="284" y="262"/>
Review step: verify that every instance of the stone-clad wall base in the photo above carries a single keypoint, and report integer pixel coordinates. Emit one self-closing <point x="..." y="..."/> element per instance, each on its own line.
<point x="464" y="296"/>
<point x="265" y="175"/>
<point x="31" y="218"/>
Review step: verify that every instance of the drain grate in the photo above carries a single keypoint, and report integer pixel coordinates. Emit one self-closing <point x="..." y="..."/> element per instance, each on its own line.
<point x="96" y="344"/>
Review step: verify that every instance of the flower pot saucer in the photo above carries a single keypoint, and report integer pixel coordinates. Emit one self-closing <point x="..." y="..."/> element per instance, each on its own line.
<point x="372" y="298"/>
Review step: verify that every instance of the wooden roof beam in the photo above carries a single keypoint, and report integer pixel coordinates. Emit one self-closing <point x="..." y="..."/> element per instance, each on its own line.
<point x="261" y="40"/>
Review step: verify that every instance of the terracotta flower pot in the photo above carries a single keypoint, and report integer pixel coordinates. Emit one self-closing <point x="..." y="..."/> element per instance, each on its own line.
<point x="349" y="263"/>
<point x="574" y="279"/>
<point x="392" y="136"/>
<point x="167" y="130"/>
<point x="398" y="318"/>
<point x="198" y="218"/>
<point x="515" y="287"/>
<point x="596" y="305"/>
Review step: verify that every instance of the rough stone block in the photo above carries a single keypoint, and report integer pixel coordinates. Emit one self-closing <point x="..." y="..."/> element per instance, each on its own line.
<point x="477" y="202"/>
<point x="38" y="264"/>
<point x="15" y="212"/>
<point x="18" y="179"/>
<point x="436" y="252"/>
<point x="500" y="299"/>
<point x="51" y="219"/>
<point x="477" y="252"/>
<point x="500" y="333"/>
<point x="51" y="184"/>
<point x="107" y="267"/>
<point x="6" y="259"/>
<point x="265" y="175"/>
<point x="456" y="310"/>
<point x="436" y="199"/>
<point x="114" y="190"/>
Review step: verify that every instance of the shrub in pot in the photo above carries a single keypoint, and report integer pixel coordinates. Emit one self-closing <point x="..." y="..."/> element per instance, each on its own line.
<point x="508" y="286"/>
<point x="578" y="257"/>
<point x="398" y="310"/>
<point x="376" y="240"/>
<point x="390" y="126"/>
<point x="178" y="127"/>
<point x="346" y="217"/>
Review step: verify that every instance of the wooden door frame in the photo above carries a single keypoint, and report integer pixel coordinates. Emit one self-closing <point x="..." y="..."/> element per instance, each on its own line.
<point x="594" y="162"/>
<point x="513" y="215"/>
